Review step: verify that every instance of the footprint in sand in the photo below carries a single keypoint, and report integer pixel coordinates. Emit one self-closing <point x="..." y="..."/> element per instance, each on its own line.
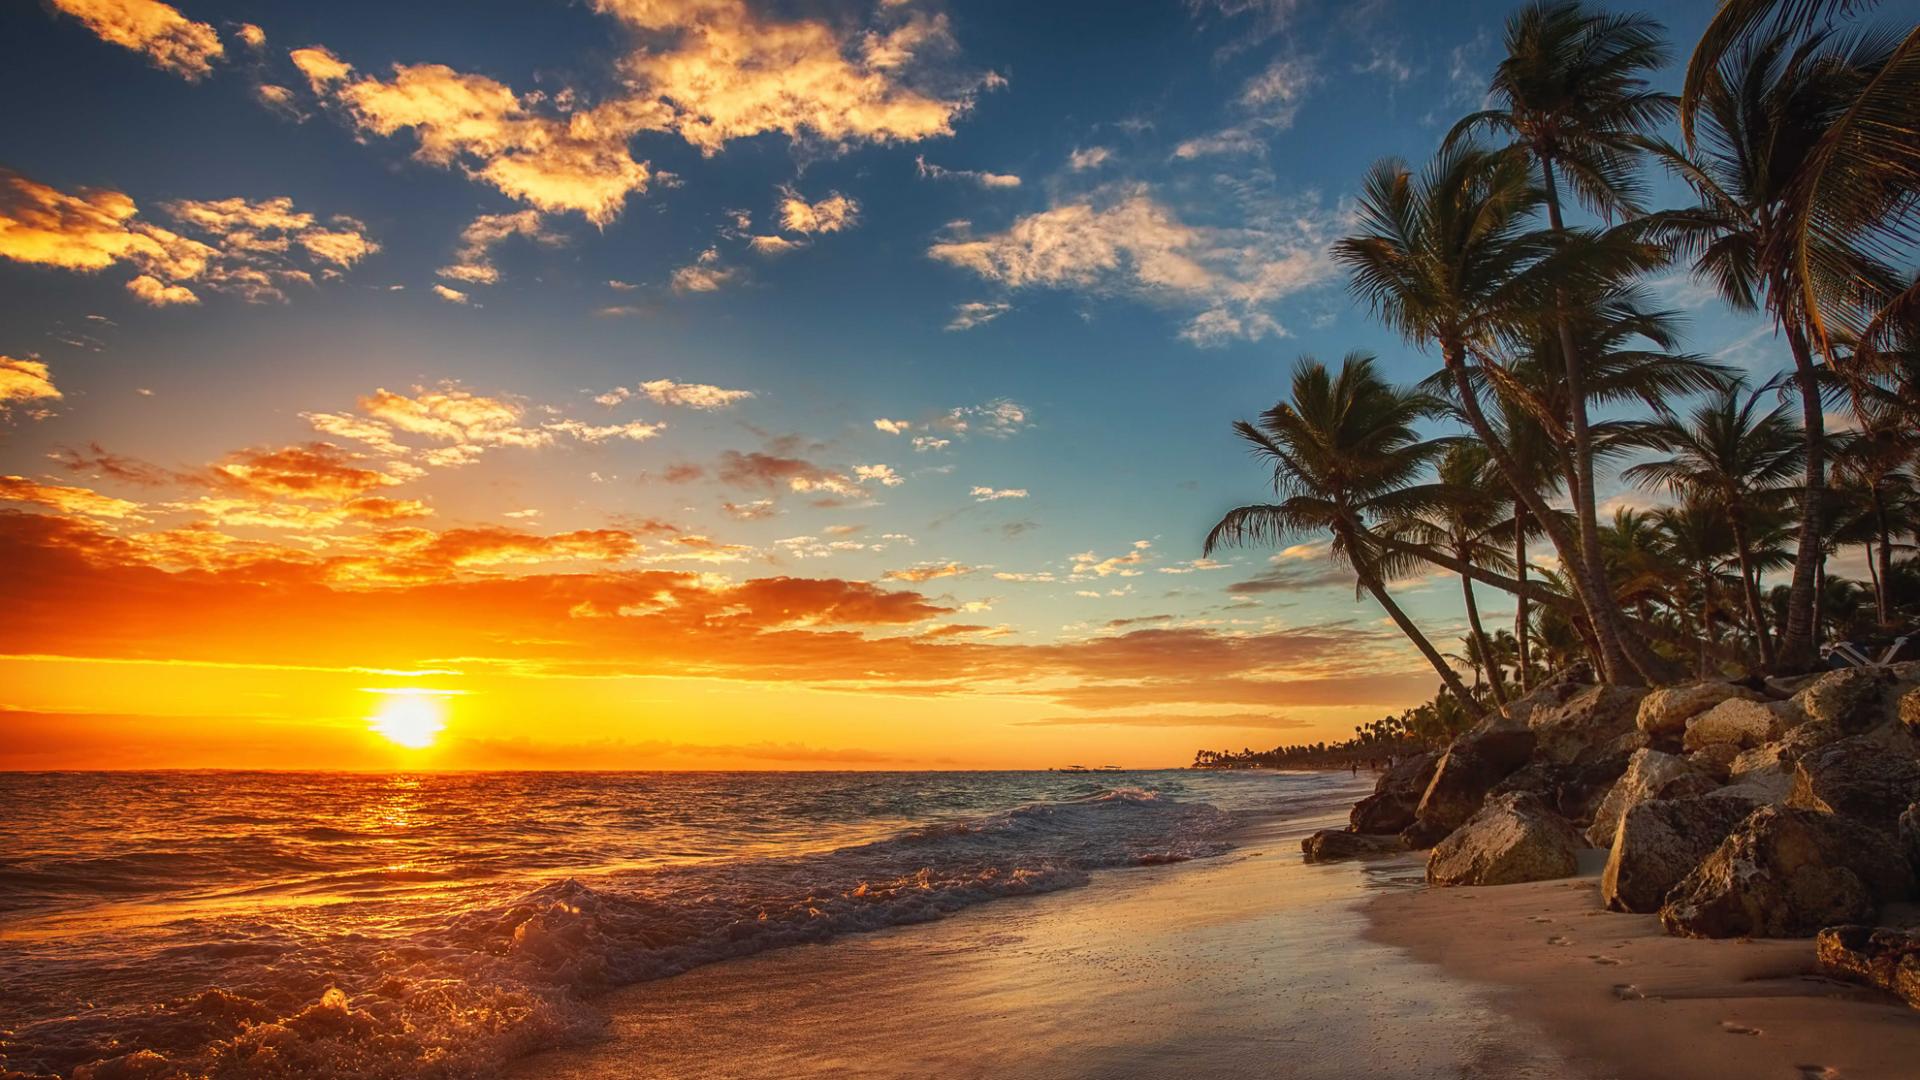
<point x="1559" y="939"/>
<point x="1607" y="961"/>
<point x="1732" y="1028"/>
<point x="1818" y="1072"/>
<point x="1628" y="992"/>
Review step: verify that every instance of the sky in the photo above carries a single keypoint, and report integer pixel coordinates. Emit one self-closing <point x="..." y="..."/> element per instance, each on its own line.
<point x="692" y="383"/>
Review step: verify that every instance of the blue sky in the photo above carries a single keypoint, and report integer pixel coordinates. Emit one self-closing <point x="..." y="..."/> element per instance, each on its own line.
<point x="1062" y="246"/>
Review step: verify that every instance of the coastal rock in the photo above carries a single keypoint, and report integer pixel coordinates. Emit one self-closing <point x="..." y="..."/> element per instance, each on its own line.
<point x="1849" y="699"/>
<point x="1328" y="845"/>
<point x="1514" y="838"/>
<point x="1787" y="872"/>
<point x="1882" y="957"/>
<point x="1661" y="841"/>
<point x="1650" y="774"/>
<point x="1735" y="722"/>
<point x="1546" y="696"/>
<point x="1396" y="796"/>
<point x="1664" y="712"/>
<point x="1715" y="759"/>
<point x="1469" y="769"/>
<point x="1586" y="724"/>
<point x="1858" y="778"/>
<point x="1910" y="712"/>
<point x="1574" y="791"/>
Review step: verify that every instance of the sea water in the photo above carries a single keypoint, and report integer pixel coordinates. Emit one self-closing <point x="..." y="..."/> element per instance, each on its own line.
<point x="307" y="924"/>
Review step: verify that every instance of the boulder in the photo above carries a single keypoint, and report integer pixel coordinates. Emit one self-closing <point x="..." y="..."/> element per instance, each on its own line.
<point x="1396" y="796"/>
<point x="1664" y="712"/>
<point x="1859" y="778"/>
<point x="1883" y="957"/>
<point x="1715" y="759"/>
<point x="1660" y="842"/>
<point x="1787" y="872"/>
<point x="1909" y="711"/>
<point x="1574" y="791"/>
<point x="1849" y="699"/>
<point x="1545" y="696"/>
<point x="1650" y="774"/>
<point x="1735" y="722"/>
<point x="1514" y="838"/>
<point x="1466" y="772"/>
<point x="1586" y="725"/>
<point x="1328" y="845"/>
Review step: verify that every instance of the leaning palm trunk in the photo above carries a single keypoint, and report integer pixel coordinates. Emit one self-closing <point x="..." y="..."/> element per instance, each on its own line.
<point x="1796" y="644"/>
<point x="1520" y="628"/>
<point x="1750" y="587"/>
<point x="1448" y="676"/>
<point x="1612" y="658"/>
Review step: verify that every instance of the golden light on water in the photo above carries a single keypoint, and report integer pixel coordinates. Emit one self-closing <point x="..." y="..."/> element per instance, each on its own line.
<point x="409" y="718"/>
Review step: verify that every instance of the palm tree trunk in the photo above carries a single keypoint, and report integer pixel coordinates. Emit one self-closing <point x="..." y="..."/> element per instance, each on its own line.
<point x="1880" y="562"/>
<point x="1524" y="675"/>
<point x="1796" y="645"/>
<point x="1606" y="626"/>
<point x="1706" y="617"/>
<point x="1480" y="642"/>
<point x="1447" y="675"/>
<point x="1750" y="586"/>
<point x="1611" y="655"/>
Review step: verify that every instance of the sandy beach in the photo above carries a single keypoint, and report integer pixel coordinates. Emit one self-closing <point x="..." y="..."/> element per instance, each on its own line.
<point x="1257" y="964"/>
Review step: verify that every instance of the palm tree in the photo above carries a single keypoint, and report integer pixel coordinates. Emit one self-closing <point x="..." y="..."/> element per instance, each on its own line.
<point x="1448" y="260"/>
<point x="1741" y="459"/>
<point x="1700" y="543"/>
<point x="1761" y="119"/>
<point x="1878" y="493"/>
<point x="1572" y="94"/>
<point x="1472" y="502"/>
<point x="1345" y="458"/>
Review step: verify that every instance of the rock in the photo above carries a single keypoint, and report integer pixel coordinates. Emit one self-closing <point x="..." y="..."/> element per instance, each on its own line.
<point x="1545" y="696"/>
<point x="1734" y="722"/>
<point x="1583" y="727"/>
<point x="1665" y="712"/>
<point x="1471" y="766"/>
<point x="1328" y="845"/>
<point x="1849" y="699"/>
<point x="1514" y="838"/>
<point x="1650" y="774"/>
<point x="1909" y="830"/>
<point x="1396" y="796"/>
<point x="1573" y="791"/>
<point x="1787" y="872"/>
<point x="1660" y="842"/>
<point x="1788" y="685"/>
<point x="1883" y="957"/>
<point x="1857" y="778"/>
<point x="1909" y="711"/>
<point x="1715" y="759"/>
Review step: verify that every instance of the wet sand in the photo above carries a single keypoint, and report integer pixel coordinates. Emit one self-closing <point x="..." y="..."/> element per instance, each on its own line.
<point x="1252" y="964"/>
<point x="1621" y="999"/>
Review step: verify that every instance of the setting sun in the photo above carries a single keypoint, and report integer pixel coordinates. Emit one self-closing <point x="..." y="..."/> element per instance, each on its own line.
<point x="409" y="718"/>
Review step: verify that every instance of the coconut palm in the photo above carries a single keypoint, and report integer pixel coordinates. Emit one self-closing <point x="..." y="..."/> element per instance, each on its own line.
<point x="1698" y="539"/>
<point x="1878" y="494"/>
<point x="1345" y="459"/>
<point x="1449" y="260"/>
<point x="1761" y="119"/>
<point x="1572" y="94"/>
<point x="1730" y="452"/>
<point x="1473" y="501"/>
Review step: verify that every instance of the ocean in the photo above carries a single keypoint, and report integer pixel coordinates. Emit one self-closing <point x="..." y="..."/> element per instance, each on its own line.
<point x="353" y="925"/>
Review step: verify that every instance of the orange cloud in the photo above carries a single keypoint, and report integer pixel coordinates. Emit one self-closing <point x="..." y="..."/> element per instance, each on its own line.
<point x="23" y="381"/>
<point x="320" y="471"/>
<point x="831" y="214"/>
<point x="170" y="40"/>
<point x="917" y="574"/>
<point x="70" y="500"/>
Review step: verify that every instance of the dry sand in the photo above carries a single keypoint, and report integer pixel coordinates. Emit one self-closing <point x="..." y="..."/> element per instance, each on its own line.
<point x="1623" y="1000"/>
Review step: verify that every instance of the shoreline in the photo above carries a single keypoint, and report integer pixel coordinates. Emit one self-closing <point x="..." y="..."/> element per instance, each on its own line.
<point x="1622" y="999"/>
<point x="1250" y="963"/>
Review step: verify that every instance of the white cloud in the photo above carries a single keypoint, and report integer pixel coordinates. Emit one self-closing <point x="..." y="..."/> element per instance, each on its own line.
<point x="1092" y="157"/>
<point x="930" y="171"/>
<point x="882" y="474"/>
<point x="692" y="395"/>
<point x="451" y="296"/>
<point x="892" y="427"/>
<point x="977" y="313"/>
<point x="834" y="213"/>
<point x="982" y="493"/>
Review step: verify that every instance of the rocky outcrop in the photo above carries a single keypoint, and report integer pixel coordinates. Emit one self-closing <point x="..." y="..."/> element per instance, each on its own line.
<point x="1514" y="838"/>
<point x="1650" y="774"/>
<point x="1735" y="722"/>
<point x="1849" y="699"/>
<point x="1545" y="696"/>
<point x="1396" y="796"/>
<point x="1586" y="726"/>
<point x="1859" y="778"/>
<point x="1574" y="791"/>
<point x="1787" y="872"/>
<point x="1659" y="842"/>
<point x="1664" y="713"/>
<point x="1329" y="845"/>
<point x="1471" y="766"/>
<point x="1886" y="958"/>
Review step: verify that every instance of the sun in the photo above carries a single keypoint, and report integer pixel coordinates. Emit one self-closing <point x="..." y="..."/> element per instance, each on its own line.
<point x="409" y="718"/>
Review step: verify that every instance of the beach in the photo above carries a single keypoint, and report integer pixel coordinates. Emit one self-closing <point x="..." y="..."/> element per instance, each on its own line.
<point x="1259" y="964"/>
